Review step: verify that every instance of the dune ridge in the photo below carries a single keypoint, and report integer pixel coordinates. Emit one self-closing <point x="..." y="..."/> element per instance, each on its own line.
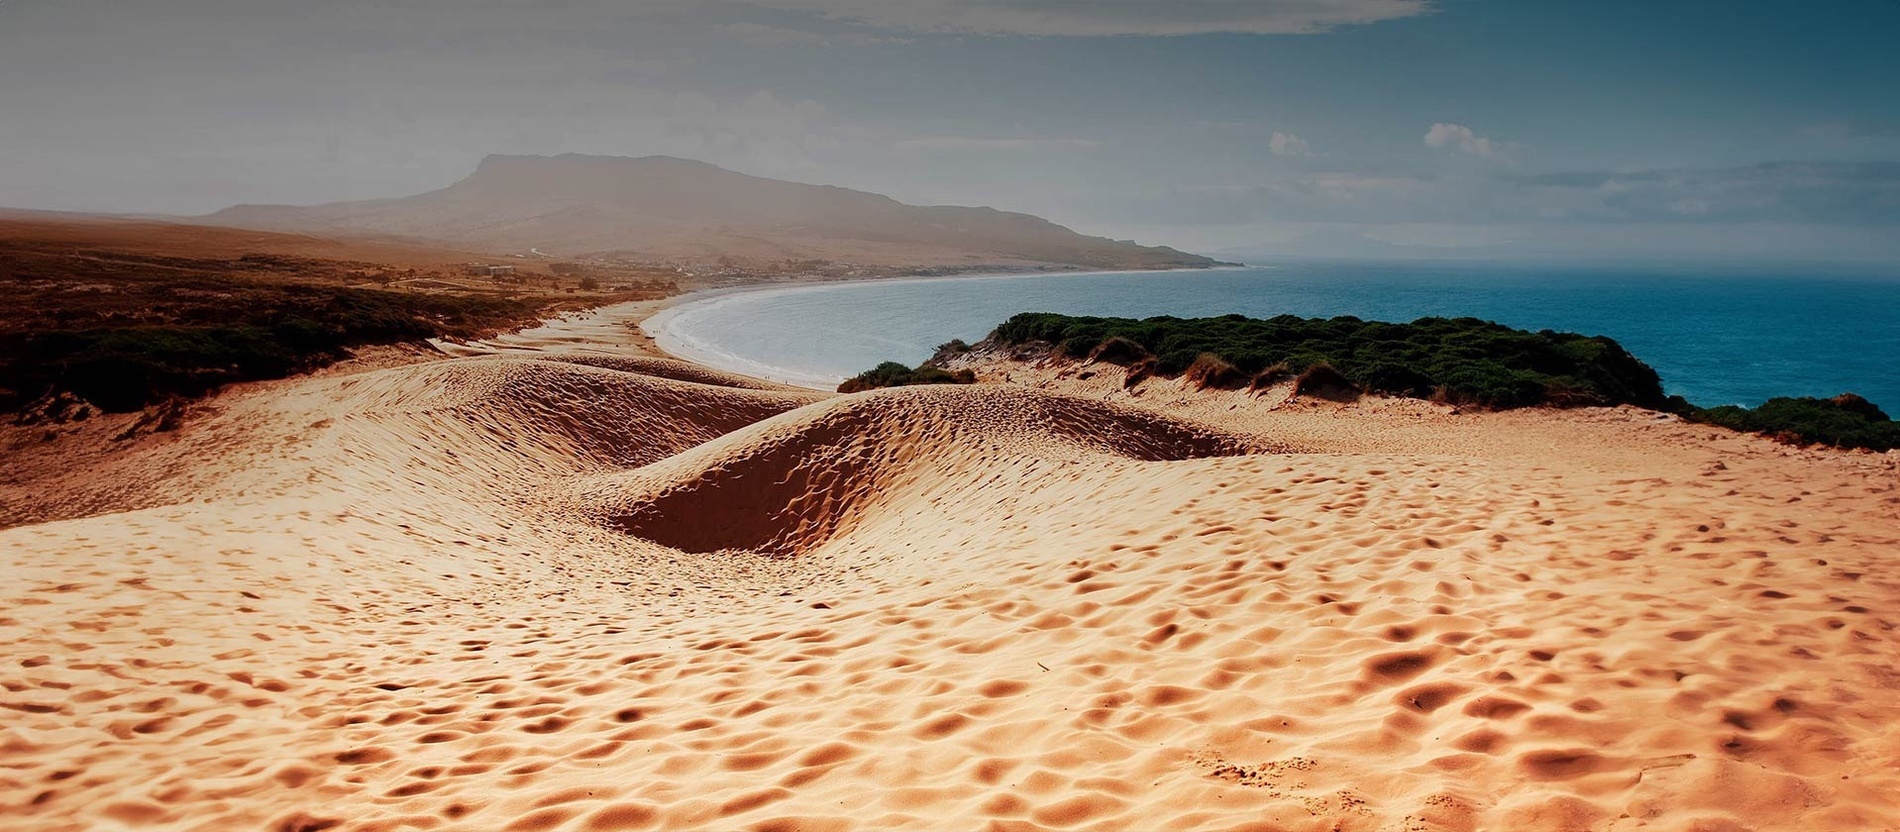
<point x="787" y="484"/>
<point x="438" y="596"/>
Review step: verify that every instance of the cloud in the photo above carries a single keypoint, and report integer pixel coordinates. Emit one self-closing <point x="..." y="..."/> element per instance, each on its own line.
<point x="956" y="144"/>
<point x="1460" y="137"/>
<point x="760" y="34"/>
<point x="1838" y="194"/>
<point x="1287" y="144"/>
<point x="1105" y="18"/>
<point x="1851" y="131"/>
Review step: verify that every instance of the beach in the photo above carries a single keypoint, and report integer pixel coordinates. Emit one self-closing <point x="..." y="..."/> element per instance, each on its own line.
<point x="1717" y="333"/>
<point x="561" y="581"/>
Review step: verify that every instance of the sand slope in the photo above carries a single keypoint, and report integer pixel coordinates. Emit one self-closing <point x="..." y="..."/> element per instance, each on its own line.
<point x="510" y="593"/>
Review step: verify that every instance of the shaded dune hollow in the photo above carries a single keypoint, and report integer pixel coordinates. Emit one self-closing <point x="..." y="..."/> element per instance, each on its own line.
<point x="670" y="368"/>
<point x="599" y="414"/>
<point x="791" y="483"/>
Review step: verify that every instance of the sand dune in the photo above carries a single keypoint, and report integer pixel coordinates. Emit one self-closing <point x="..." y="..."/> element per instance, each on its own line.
<point x="788" y="485"/>
<point x="507" y="592"/>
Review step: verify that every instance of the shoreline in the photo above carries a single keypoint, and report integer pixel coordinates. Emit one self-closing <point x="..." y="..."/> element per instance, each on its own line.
<point x="662" y="328"/>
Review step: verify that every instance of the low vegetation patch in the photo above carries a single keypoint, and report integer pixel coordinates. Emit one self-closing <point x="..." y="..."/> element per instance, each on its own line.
<point x="123" y="330"/>
<point x="893" y="374"/>
<point x="1458" y="360"/>
<point x="265" y="332"/>
<point x="1845" y="421"/>
<point x="1461" y="360"/>
<point x="1323" y="380"/>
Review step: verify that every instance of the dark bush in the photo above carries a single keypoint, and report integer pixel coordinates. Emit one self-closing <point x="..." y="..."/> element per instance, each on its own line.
<point x="1270" y="376"/>
<point x="893" y="374"/>
<point x="1462" y="360"/>
<point x="1845" y="421"/>
<point x="1325" y="381"/>
<point x="1138" y="372"/>
<point x="1854" y="403"/>
<point x="1118" y="350"/>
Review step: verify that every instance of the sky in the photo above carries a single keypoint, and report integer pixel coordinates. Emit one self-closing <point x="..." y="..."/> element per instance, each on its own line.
<point x="1742" y="129"/>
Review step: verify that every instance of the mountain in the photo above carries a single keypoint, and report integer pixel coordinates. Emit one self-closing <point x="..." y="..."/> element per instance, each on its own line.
<point x="659" y="207"/>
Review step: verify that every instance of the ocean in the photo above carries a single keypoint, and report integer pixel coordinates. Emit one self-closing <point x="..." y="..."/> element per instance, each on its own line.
<point x="1717" y="335"/>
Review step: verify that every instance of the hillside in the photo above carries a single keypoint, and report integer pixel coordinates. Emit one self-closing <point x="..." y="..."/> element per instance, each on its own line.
<point x="120" y="314"/>
<point x="663" y="208"/>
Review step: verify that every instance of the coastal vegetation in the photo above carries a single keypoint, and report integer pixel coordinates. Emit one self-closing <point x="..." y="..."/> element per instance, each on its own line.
<point x="1844" y="421"/>
<point x="1463" y="361"/>
<point x="893" y="374"/>
<point x="1460" y="360"/>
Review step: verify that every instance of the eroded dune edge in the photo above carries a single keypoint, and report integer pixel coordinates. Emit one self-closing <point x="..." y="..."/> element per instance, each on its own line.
<point x="508" y="592"/>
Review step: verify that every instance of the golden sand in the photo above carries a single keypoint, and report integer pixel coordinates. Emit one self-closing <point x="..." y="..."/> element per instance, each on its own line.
<point x="510" y="592"/>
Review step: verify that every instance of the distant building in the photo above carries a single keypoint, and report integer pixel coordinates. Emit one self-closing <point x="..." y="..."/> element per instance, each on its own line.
<point x="486" y="270"/>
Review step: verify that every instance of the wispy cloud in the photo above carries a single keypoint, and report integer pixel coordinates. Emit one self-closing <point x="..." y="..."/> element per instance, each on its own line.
<point x="1845" y="194"/>
<point x="1459" y="137"/>
<point x="1101" y="19"/>
<point x="1837" y="130"/>
<point x="956" y="144"/>
<point x="761" y="34"/>
<point x="1287" y="144"/>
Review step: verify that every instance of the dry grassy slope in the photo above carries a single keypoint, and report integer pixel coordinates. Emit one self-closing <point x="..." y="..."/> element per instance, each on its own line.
<point x="24" y="231"/>
<point x="401" y="600"/>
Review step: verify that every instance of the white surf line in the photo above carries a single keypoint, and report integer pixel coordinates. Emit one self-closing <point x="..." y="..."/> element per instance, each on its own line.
<point x="668" y="328"/>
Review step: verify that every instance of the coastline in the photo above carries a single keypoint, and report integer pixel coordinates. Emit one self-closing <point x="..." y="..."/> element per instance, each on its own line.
<point x="1743" y="348"/>
<point x="662" y="325"/>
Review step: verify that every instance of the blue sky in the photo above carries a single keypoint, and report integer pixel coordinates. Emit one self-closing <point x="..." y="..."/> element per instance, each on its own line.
<point x="1452" y="128"/>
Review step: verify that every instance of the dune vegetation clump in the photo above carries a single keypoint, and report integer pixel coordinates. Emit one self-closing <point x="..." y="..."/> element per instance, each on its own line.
<point x="893" y="374"/>
<point x="1326" y="381"/>
<point x="1270" y="376"/>
<point x="1211" y="372"/>
<point x="1460" y="360"/>
<point x="1844" y="421"/>
<point x="1117" y="350"/>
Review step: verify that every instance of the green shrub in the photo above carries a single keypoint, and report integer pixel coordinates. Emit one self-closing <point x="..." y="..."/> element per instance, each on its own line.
<point x="1270" y="376"/>
<point x="1138" y="372"/>
<point x="1845" y="421"/>
<point x="893" y="374"/>
<point x="1325" y="381"/>
<point x="1118" y="350"/>
<point x="1463" y="360"/>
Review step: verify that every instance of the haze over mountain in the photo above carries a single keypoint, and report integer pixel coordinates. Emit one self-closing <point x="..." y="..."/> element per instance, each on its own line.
<point x="660" y="207"/>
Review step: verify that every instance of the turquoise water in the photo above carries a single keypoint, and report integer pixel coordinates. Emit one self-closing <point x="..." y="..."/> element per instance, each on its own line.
<point x="1716" y="335"/>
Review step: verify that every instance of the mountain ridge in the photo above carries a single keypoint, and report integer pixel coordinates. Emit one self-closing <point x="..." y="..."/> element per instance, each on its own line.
<point x="669" y="208"/>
